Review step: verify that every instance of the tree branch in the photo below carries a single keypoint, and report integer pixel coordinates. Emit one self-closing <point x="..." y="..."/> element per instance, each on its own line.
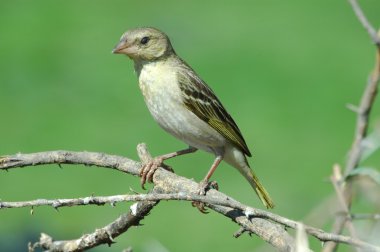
<point x="368" y="96"/>
<point x="168" y="183"/>
<point x="336" y="178"/>
<point x="168" y="186"/>
<point x="362" y="122"/>
<point x="71" y="157"/>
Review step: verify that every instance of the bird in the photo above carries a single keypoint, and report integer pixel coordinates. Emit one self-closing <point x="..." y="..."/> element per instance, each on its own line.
<point x="185" y="107"/>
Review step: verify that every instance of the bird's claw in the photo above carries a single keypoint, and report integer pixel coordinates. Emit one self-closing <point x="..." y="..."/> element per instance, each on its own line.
<point x="167" y="167"/>
<point x="201" y="206"/>
<point x="204" y="186"/>
<point x="213" y="185"/>
<point x="149" y="168"/>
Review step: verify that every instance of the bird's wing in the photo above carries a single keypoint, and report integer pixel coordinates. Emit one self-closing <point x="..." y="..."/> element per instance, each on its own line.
<point x="201" y="100"/>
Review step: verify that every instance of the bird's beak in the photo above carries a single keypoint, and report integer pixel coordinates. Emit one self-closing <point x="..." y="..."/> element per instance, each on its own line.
<point x="120" y="47"/>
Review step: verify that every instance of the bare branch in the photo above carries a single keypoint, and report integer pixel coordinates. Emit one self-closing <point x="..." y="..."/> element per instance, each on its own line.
<point x="93" y="200"/>
<point x="363" y="112"/>
<point x="169" y="186"/>
<point x="112" y="200"/>
<point x="106" y="234"/>
<point x="103" y="235"/>
<point x="364" y="21"/>
<point x="216" y="202"/>
<point x="362" y="122"/>
<point x="363" y="216"/>
<point x="274" y="234"/>
<point x="70" y="157"/>
<point x="217" y="199"/>
<point x="336" y="180"/>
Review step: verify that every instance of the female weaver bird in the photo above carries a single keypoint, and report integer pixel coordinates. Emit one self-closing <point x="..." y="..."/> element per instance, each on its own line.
<point x="184" y="106"/>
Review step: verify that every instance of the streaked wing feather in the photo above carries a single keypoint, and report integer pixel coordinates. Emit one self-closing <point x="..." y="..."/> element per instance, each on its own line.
<point x="201" y="100"/>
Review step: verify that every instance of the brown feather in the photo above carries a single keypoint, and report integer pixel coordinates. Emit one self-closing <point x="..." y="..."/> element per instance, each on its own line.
<point x="201" y="100"/>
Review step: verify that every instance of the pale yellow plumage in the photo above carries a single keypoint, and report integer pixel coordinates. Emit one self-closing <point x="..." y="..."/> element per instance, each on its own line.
<point x="184" y="105"/>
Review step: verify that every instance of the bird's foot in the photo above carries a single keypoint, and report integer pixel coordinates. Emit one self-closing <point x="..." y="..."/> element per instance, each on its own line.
<point x="149" y="168"/>
<point x="201" y="206"/>
<point x="204" y="186"/>
<point x="214" y="185"/>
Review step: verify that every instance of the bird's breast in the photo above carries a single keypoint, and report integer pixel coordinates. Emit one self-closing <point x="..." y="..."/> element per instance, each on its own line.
<point x="158" y="82"/>
<point x="162" y="95"/>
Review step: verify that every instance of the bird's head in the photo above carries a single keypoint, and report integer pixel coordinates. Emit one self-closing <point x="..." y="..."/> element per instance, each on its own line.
<point x="144" y="44"/>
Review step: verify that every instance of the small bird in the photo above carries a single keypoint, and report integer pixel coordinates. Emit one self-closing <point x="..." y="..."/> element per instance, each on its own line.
<point x="185" y="106"/>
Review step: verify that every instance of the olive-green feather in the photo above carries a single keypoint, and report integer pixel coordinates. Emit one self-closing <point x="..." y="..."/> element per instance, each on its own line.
<point x="204" y="104"/>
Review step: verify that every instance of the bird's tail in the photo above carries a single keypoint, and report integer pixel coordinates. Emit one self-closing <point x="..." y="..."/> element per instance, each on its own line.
<point x="257" y="186"/>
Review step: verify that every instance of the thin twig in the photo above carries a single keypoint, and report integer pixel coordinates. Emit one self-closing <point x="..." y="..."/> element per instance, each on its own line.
<point x="208" y="200"/>
<point x="337" y="180"/>
<point x="364" y="21"/>
<point x="112" y="200"/>
<point x="364" y="216"/>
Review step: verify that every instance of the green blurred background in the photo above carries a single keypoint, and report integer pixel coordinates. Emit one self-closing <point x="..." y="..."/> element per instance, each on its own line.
<point x="284" y="70"/>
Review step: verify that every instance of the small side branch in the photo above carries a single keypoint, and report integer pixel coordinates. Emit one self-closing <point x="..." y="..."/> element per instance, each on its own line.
<point x="364" y="21"/>
<point x="100" y="236"/>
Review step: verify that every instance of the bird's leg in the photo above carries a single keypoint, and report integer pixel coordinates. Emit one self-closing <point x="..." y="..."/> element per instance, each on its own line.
<point x="148" y="169"/>
<point x="204" y="184"/>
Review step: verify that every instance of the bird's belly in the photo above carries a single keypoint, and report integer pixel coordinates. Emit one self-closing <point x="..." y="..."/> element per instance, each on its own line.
<point x="176" y="119"/>
<point x="170" y="113"/>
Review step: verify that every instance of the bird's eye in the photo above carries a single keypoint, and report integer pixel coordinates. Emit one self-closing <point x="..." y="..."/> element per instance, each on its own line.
<point x="144" y="40"/>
